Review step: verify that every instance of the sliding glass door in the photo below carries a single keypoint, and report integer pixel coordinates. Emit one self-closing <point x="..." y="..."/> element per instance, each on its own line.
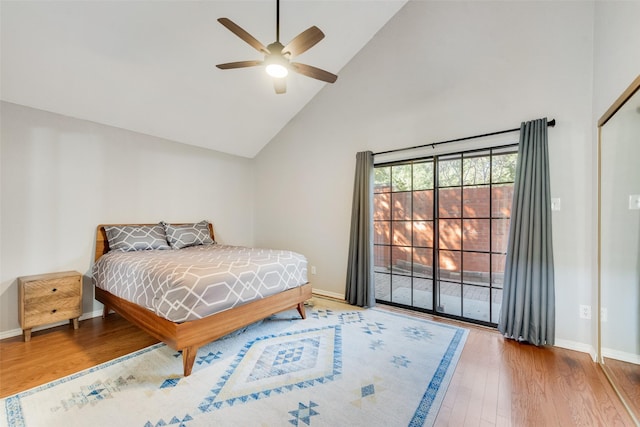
<point x="441" y="226"/>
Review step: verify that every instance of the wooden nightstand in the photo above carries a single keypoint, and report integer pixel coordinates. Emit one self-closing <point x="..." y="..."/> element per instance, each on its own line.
<point x="49" y="298"/>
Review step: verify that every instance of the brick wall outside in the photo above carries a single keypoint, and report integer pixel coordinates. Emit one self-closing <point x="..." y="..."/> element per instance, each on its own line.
<point x="466" y="226"/>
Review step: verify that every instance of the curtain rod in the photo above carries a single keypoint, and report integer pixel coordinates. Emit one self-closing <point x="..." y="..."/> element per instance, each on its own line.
<point x="550" y="123"/>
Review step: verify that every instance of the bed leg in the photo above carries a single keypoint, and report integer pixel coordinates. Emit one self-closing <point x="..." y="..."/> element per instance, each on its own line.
<point x="300" y="308"/>
<point x="105" y="311"/>
<point x="188" y="358"/>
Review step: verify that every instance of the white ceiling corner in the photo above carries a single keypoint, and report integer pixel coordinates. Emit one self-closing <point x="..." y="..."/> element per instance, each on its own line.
<point x="149" y="66"/>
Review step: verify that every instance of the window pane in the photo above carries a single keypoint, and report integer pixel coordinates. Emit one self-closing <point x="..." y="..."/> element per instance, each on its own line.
<point x="382" y="179"/>
<point x="501" y="199"/>
<point x="497" y="269"/>
<point x="449" y="199"/>
<point x="449" y="172"/>
<point x="382" y="206"/>
<point x="503" y="168"/>
<point x="423" y="293"/>
<point x="402" y="233"/>
<point x="499" y="235"/>
<point x="401" y="176"/>
<point x="450" y="298"/>
<point x="450" y="234"/>
<point x="423" y="234"/>
<point x="423" y="176"/>
<point x="449" y="265"/>
<point x="422" y="262"/>
<point x="476" y="303"/>
<point x="383" y="286"/>
<point x="401" y="289"/>
<point x="423" y="204"/>
<point x="401" y="205"/>
<point x="475" y="268"/>
<point x="401" y="260"/>
<point x="381" y="258"/>
<point x="382" y="232"/>
<point x="475" y="202"/>
<point x="477" y="170"/>
<point x="496" y="304"/>
<point x="475" y="235"/>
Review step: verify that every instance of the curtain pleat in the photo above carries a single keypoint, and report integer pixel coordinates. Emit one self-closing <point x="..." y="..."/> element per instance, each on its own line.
<point x="528" y="299"/>
<point x="360" y="289"/>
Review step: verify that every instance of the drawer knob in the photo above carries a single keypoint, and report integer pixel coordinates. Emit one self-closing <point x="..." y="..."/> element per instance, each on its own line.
<point x="54" y="289"/>
<point x="53" y="311"/>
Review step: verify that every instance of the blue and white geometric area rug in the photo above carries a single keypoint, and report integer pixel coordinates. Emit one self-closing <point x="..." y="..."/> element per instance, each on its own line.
<point x="342" y="366"/>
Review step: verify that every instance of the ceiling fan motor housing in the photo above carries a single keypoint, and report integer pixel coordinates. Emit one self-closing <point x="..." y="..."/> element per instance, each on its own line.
<point x="277" y="65"/>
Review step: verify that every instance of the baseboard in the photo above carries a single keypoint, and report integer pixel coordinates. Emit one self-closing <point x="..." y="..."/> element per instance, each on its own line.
<point x="328" y="294"/>
<point x="91" y="315"/>
<point x="15" y="332"/>
<point x="578" y="346"/>
<point x="621" y="355"/>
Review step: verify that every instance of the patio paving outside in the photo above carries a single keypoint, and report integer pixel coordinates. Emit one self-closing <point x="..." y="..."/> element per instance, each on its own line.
<point x="475" y="298"/>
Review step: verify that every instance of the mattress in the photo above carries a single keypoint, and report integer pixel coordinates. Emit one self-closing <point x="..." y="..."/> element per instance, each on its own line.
<point x="191" y="283"/>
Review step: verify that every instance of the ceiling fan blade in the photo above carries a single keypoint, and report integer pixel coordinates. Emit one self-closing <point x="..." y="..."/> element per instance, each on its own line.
<point x="280" y="85"/>
<point x="303" y="41"/>
<point x="238" y="31"/>
<point x="313" y="72"/>
<point x="239" y="64"/>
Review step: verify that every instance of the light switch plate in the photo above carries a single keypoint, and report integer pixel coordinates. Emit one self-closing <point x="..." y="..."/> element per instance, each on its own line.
<point x="634" y="201"/>
<point x="555" y="204"/>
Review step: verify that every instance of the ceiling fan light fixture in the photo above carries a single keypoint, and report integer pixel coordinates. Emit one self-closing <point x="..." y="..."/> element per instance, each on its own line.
<point x="276" y="64"/>
<point x="277" y="70"/>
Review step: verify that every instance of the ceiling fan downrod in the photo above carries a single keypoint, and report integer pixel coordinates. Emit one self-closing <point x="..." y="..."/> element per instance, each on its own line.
<point x="278" y="21"/>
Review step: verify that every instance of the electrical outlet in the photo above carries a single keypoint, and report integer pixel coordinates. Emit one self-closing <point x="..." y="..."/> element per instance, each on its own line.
<point x="604" y="314"/>
<point x="585" y="311"/>
<point x="313" y="269"/>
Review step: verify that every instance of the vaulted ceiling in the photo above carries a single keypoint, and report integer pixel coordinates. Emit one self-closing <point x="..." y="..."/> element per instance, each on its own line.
<point x="149" y="66"/>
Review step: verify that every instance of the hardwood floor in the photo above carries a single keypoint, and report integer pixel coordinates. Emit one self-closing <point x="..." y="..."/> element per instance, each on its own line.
<point x="497" y="382"/>
<point x="627" y="378"/>
<point x="61" y="351"/>
<point x="500" y="382"/>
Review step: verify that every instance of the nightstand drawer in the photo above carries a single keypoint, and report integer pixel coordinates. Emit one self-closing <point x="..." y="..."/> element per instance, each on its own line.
<point x="62" y="287"/>
<point x="43" y="311"/>
<point x="49" y="298"/>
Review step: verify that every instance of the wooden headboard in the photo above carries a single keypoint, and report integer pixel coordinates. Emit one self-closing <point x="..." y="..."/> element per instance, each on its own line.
<point x="102" y="244"/>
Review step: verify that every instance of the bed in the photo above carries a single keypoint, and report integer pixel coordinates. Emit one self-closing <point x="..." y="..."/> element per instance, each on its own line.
<point x="188" y="332"/>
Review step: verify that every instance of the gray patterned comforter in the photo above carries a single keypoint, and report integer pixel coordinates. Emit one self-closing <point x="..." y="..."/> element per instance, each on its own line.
<point x="192" y="283"/>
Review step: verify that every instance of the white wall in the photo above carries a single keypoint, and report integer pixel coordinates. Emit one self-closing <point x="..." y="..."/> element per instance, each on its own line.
<point x="616" y="46"/>
<point x="437" y="71"/>
<point x="61" y="177"/>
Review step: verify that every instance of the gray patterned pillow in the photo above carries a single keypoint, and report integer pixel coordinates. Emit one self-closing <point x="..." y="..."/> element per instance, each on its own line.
<point x="181" y="236"/>
<point x="136" y="237"/>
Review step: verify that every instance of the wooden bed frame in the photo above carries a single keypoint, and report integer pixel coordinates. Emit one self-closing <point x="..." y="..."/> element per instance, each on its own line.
<point x="189" y="336"/>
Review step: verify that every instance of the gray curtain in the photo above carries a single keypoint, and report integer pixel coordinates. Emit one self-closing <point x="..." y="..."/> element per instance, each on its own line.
<point x="360" y="288"/>
<point x="528" y="300"/>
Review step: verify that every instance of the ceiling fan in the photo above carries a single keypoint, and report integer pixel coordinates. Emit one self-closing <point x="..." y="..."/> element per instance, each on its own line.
<point x="277" y="57"/>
